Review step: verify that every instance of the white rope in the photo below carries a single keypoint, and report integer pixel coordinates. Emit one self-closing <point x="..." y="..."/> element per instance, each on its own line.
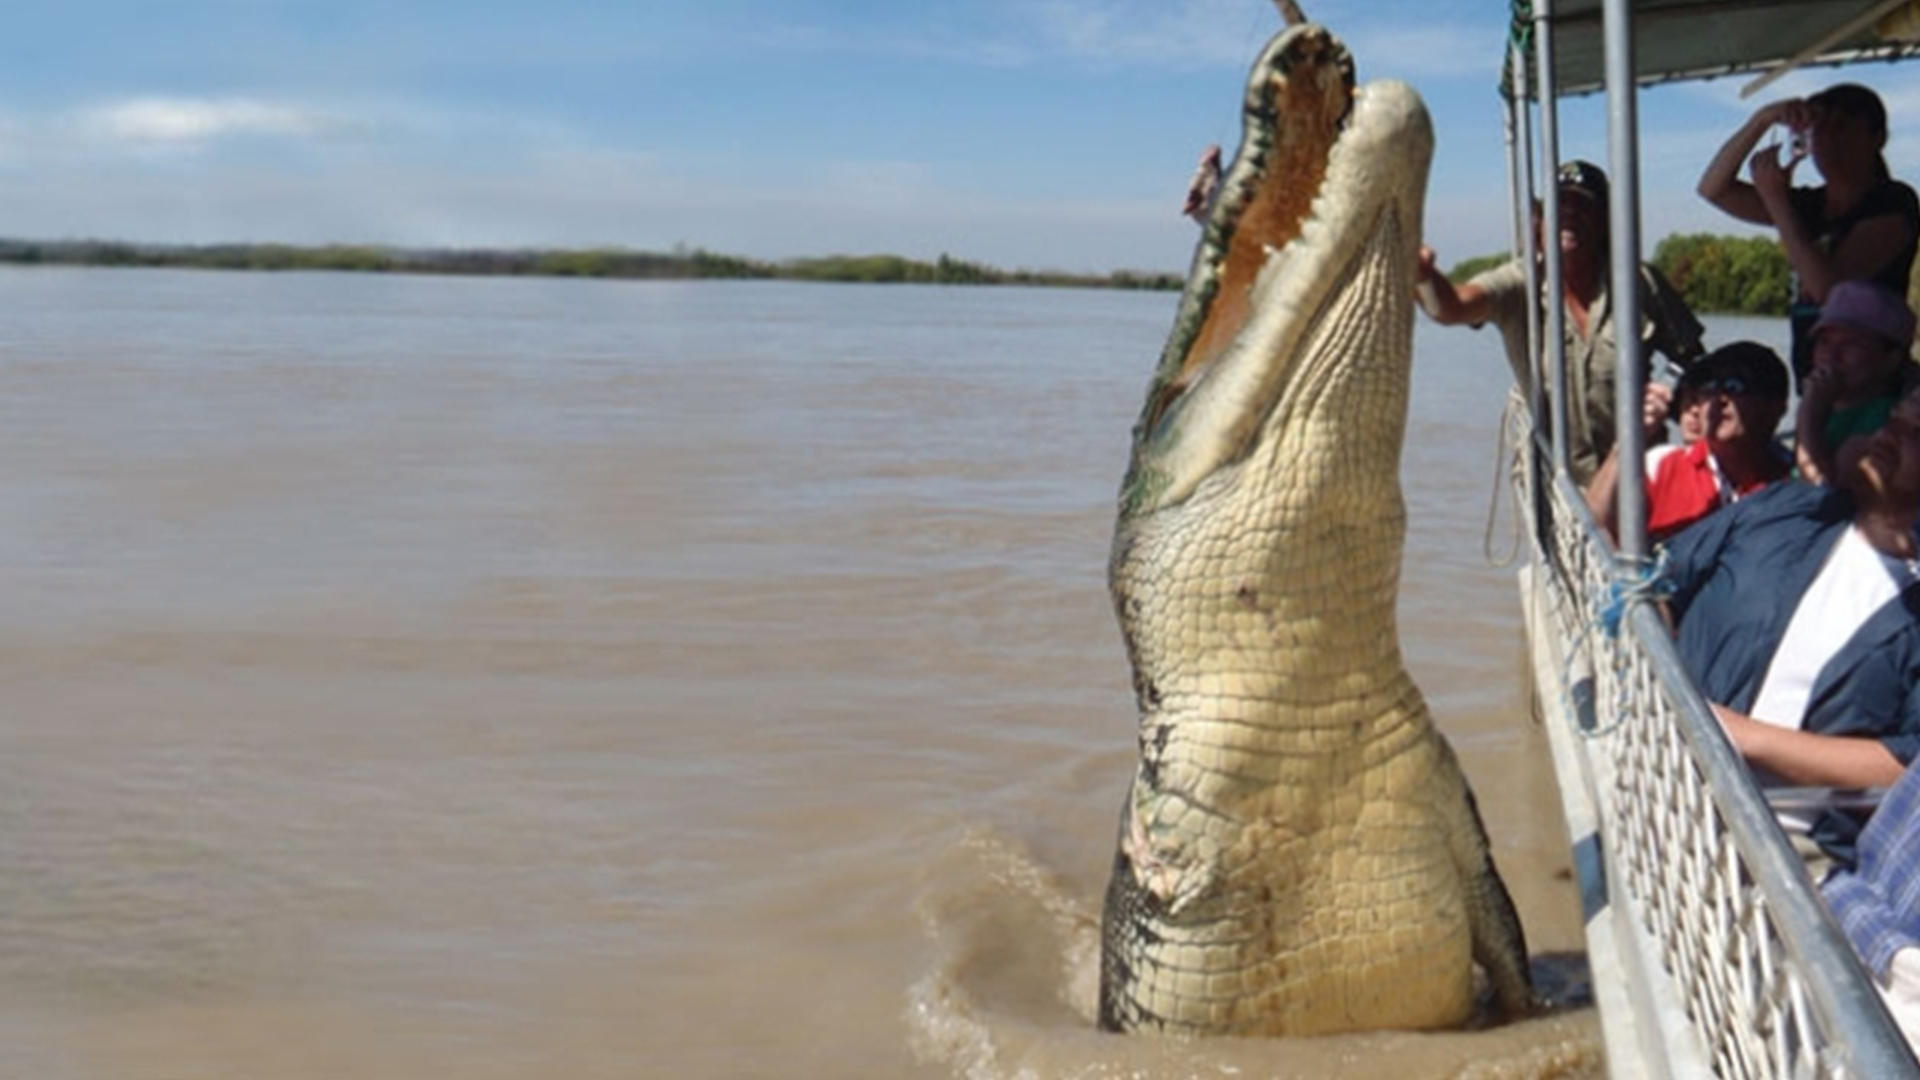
<point x="1507" y="444"/>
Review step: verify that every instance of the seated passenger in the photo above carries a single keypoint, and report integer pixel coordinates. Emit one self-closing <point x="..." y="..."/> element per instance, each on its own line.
<point x="1859" y="369"/>
<point x="1744" y="388"/>
<point x="1798" y="618"/>
<point x="1877" y="903"/>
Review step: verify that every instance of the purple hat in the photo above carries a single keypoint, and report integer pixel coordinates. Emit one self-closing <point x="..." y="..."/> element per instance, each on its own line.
<point x="1870" y="308"/>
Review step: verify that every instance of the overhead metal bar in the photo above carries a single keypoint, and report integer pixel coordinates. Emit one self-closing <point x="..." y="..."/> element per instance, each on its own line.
<point x="1699" y="39"/>
<point x="1864" y="21"/>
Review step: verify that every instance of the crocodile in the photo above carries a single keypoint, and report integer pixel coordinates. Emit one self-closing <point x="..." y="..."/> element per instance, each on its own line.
<point x="1299" y="852"/>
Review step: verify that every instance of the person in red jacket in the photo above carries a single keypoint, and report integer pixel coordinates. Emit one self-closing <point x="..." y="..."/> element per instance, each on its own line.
<point x="1745" y="387"/>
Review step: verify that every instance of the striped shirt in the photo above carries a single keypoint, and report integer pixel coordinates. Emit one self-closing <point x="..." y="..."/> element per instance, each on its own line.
<point x="1878" y="902"/>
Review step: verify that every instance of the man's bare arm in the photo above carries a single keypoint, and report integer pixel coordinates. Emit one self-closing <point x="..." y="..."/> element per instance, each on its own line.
<point x="1439" y="297"/>
<point x="1809" y="759"/>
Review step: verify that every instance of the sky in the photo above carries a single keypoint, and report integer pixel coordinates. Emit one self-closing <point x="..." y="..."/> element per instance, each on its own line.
<point x="1034" y="134"/>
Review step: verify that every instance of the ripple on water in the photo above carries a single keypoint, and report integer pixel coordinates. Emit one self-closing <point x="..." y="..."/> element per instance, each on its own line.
<point x="1011" y="992"/>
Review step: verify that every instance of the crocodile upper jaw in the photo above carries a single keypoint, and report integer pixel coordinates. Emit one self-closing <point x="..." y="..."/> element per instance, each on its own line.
<point x="1324" y="174"/>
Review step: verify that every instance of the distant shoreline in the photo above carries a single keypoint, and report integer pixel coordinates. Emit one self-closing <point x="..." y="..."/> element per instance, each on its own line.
<point x="1717" y="274"/>
<point x="609" y="263"/>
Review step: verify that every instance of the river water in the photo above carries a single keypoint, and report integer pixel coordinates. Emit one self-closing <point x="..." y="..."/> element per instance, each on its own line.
<point x="513" y="679"/>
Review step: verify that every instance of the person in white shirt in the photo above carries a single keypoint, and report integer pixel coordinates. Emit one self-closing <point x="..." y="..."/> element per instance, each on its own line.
<point x="1797" y="615"/>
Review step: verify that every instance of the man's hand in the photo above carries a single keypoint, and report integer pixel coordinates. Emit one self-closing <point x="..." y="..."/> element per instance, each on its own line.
<point x="1203" y="186"/>
<point x="1793" y="113"/>
<point x="1819" y="389"/>
<point x="1772" y="178"/>
<point x="1427" y="282"/>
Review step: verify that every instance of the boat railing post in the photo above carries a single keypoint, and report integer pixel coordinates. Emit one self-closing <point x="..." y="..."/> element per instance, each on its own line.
<point x="1540" y="460"/>
<point x="1520" y="184"/>
<point x="1554" y="332"/>
<point x="1623" y="150"/>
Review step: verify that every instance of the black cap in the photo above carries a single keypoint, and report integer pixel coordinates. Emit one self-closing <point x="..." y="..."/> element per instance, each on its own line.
<point x="1586" y="178"/>
<point x="1754" y="364"/>
<point x="1694" y="377"/>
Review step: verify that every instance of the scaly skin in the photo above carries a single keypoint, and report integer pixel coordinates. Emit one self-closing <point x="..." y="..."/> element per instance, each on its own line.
<point x="1299" y="853"/>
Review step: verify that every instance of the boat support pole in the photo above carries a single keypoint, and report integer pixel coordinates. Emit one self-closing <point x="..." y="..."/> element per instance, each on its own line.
<point x="1554" y="333"/>
<point x="1623" y="151"/>
<point x="1526" y="238"/>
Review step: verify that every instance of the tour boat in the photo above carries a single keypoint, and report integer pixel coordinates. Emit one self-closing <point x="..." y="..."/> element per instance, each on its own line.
<point x="1712" y="953"/>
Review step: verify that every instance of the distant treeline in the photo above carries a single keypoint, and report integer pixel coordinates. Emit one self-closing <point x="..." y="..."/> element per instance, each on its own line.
<point x="1746" y="275"/>
<point x="1736" y="275"/>
<point x="1731" y="274"/>
<point x="591" y="263"/>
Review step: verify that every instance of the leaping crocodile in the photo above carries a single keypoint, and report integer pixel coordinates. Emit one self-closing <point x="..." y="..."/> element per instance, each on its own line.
<point x="1299" y="852"/>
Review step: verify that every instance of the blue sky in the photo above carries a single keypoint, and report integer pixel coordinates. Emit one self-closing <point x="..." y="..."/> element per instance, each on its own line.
<point x="1047" y="134"/>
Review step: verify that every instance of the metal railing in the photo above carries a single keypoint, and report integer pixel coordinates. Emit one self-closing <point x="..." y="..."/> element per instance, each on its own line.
<point x="1698" y="873"/>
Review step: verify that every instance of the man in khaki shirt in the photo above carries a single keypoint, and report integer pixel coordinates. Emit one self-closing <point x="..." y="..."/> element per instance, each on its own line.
<point x="1499" y="296"/>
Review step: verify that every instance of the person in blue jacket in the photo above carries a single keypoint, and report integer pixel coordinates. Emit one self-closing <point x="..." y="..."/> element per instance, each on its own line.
<point x="1797" y="614"/>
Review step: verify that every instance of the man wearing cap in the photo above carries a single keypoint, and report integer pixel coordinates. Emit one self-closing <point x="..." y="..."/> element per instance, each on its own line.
<point x="1859" y="370"/>
<point x="1500" y="295"/>
<point x="1861" y="224"/>
<point x="1745" y="387"/>
<point x="1797" y="613"/>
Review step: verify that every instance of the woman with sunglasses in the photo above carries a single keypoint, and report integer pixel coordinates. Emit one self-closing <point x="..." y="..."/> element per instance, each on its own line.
<point x="1743" y="387"/>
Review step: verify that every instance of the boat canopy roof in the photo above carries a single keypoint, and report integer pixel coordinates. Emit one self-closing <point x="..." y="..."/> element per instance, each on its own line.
<point x="1677" y="40"/>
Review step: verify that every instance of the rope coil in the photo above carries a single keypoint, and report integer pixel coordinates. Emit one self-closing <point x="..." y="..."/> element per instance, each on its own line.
<point x="1630" y="580"/>
<point x="1633" y="579"/>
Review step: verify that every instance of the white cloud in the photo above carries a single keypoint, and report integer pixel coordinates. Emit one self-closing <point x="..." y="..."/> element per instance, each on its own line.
<point x="964" y="46"/>
<point x="189" y="120"/>
<point x="1205" y="31"/>
<point x="12" y="136"/>
<point x="1427" y="51"/>
<point x="1231" y="32"/>
<point x="1025" y="33"/>
<point x="1162" y="34"/>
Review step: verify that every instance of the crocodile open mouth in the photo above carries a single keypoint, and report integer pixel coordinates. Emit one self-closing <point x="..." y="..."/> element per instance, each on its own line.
<point x="1298" y="100"/>
<point x="1328" y="182"/>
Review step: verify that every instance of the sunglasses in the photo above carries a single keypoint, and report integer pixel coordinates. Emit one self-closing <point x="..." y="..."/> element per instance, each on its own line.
<point x="1726" y="384"/>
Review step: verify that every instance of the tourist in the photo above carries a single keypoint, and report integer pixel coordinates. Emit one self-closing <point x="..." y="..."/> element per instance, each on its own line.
<point x="1499" y="295"/>
<point x="1860" y="366"/>
<point x="1797" y="617"/>
<point x="1861" y="224"/>
<point x="1743" y="391"/>
<point x="1877" y="902"/>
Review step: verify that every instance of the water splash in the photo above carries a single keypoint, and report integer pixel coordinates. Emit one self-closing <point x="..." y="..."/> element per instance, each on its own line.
<point x="1010" y="991"/>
